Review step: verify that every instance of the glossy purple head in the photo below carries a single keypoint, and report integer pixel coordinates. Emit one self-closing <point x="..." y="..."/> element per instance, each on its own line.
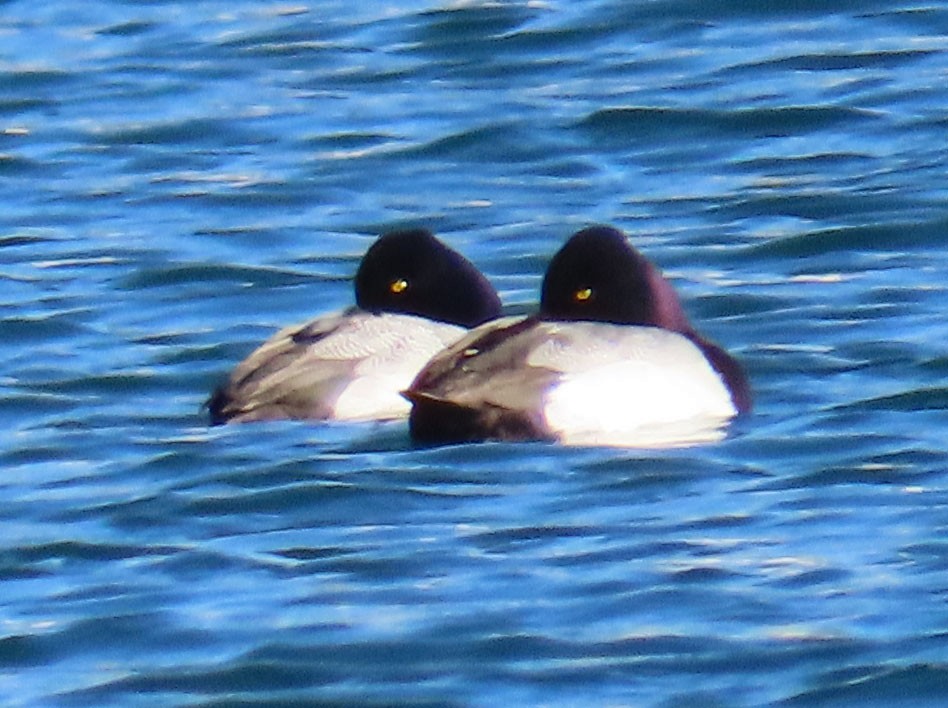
<point x="598" y="276"/>
<point x="411" y="272"/>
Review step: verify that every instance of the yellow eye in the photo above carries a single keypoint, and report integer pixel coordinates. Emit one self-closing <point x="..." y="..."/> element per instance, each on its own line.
<point x="583" y="294"/>
<point x="398" y="286"/>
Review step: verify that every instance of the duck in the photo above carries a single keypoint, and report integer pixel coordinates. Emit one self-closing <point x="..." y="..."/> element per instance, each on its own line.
<point x="609" y="359"/>
<point x="414" y="296"/>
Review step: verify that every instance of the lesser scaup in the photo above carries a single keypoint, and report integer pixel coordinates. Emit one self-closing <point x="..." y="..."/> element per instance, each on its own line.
<point x="609" y="359"/>
<point x="414" y="296"/>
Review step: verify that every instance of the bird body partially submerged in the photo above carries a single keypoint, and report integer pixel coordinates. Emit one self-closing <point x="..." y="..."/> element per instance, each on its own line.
<point x="414" y="296"/>
<point x="610" y="359"/>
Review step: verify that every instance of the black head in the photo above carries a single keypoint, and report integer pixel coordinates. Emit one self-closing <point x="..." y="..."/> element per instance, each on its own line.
<point x="598" y="276"/>
<point x="413" y="273"/>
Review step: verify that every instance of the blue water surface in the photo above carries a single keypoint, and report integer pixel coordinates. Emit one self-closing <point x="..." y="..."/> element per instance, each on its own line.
<point x="177" y="180"/>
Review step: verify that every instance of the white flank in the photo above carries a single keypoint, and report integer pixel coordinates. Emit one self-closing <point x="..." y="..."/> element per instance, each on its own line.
<point x="635" y="387"/>
<point x="391" y="350"/>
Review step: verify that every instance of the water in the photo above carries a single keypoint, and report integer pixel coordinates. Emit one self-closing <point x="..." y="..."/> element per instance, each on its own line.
<point x="177" y="180"/>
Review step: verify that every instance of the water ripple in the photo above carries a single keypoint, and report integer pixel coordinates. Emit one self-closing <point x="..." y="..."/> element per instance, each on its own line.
<point x="179" y="184"/>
